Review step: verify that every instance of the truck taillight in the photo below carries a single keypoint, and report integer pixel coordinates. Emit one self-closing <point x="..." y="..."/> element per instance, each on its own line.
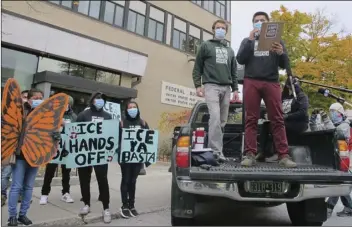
<point x="182" y="152"/>
<point x="344" y="156"/>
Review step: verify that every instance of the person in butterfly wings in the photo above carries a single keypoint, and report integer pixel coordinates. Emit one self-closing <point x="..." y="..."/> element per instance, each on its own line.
<point x="130" y="171"/>
<point x="95" y="112"/>
<point x="34" y="151"/>
<point x="50" y="169"/>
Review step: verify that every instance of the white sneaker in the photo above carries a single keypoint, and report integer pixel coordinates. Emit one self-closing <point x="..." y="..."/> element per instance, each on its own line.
<point x="43" y="200"/>
<point x="84" y="210"/>
<point x="107" y="216"/>
<point x="67" y="198"/>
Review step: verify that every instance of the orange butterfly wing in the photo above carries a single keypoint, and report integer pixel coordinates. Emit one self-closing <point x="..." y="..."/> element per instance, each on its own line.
<point x="11" y="118"/>
<point x="38" y="144"/>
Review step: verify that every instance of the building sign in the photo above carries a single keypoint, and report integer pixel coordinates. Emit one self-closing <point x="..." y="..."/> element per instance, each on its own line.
<point x="177" y="95"/>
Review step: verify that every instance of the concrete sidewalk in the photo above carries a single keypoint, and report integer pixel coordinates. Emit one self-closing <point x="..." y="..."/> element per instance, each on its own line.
<point x="56" y="212"/>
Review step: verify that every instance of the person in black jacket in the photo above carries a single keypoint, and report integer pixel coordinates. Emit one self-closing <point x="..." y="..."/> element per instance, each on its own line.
<point x="261" y="81"/>
<point x="130" y="171"/>
<point x="95" y="113"/>
<point x="296" y="117"/>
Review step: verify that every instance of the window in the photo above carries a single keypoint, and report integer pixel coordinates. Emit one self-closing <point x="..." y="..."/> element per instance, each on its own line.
<point x="18" y="65"/>
<point x="90" y="8"/>
<point x="52" y="65"/>
<point x="108" y="78"/>
<point x="113" y="13"/>
<point x="155" y="30"/>
<point x="81" y="71"/>
<point x="136" y="22"/>
<point x="209" y="5"/>
<point x="67" y="3"/>
<point x="207" y="36"/>
<point x="198" y="2"/>
<point x="193" y="44"/>
<point x="220" y="9"/>
<point x="179" y="40"/>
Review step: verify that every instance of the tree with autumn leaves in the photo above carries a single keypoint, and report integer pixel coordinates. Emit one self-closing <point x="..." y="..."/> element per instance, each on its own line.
<point x="316" y="52"/>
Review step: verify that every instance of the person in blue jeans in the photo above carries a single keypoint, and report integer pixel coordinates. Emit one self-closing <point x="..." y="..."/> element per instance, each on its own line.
<point x="5" y="178"/>
<point x="23" y="175"/>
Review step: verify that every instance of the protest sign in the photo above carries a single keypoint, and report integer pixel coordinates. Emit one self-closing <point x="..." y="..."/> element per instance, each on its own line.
<point x="91" y="143"/>
<point x="114" y="109"/>
<point x="60" y="157"/>
<point x="139" y="145"/>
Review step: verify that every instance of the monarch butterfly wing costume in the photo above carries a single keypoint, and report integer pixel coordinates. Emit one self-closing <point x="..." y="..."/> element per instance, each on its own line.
<point x="40" y="128"/>
<point x="11" y="118"/>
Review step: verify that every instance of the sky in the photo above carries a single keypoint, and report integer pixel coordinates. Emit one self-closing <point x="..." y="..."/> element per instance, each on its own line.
<point x="242" y="12"/>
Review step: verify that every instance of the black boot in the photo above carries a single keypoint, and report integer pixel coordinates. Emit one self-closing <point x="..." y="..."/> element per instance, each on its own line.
<point x="24" y="220"/>
<point x="12" y="221"/>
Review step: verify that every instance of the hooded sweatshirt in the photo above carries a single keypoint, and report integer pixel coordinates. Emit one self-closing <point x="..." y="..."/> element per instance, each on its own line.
<point x="92" y="113"/>
<point x="260" y="65"/>
<point x="296" y="111"/>
<point x="69" y="115"/>
<point x="215" y="64"/>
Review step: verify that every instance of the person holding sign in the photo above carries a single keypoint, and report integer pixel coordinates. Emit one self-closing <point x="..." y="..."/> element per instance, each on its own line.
<point x="51" y="168"/>
<point x="95" y="113"/>
<point x="215" y="67"/>
<point x="130" y="171"/>
<point x="262" y="82"/>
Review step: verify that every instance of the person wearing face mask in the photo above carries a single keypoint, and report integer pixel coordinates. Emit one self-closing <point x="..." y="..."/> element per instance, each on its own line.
<point x="343" y="131"/>
<point x="95" y="113"/>
<point x="50" y="169"/>
<point x="23" y="175"/>
<point x="130" y="171"/>
<point x="216" y="68"/>
<point x="261" y="81"/>
<point x="295" y="116"/>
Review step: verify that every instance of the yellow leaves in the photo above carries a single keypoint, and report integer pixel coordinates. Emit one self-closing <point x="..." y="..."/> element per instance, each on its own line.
<point x="169" y="120"/>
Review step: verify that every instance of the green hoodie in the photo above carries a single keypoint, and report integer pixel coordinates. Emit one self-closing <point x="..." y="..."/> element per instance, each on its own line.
<point x="215" y="63"/>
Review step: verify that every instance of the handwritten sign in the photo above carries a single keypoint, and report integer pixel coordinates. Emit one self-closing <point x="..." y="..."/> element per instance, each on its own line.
<point x="114" y="109"/>
<point x="139" y="146"/>
<point x="62" y="152"/>
<point x="91" y="143"/>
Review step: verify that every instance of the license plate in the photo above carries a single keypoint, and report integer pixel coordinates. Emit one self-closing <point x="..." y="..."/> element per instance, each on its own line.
<point x="266" y="187"/>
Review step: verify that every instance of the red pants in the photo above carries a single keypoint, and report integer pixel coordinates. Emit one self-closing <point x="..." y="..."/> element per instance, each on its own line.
<point x="253" y="92"/>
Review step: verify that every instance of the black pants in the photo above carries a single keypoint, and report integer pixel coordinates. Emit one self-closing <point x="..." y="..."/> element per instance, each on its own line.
<point x="50" y="170"/>
<point x="101" y="173"/>
<point x="266" y="140"/>
<point x="130" y="172"/>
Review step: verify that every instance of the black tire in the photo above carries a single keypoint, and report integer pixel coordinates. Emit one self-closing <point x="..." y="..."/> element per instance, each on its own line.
<point x="175" y="221"/>
<point x="296" y="212"/>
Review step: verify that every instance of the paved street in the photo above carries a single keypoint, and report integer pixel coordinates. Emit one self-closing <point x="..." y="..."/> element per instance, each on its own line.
<point x="153" y="202"/>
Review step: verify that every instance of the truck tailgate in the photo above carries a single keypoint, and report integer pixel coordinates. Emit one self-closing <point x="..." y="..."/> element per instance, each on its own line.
<point x="233" y="171"/>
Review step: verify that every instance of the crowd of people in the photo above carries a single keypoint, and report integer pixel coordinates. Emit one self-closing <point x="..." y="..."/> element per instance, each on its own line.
<point x="216" y="69"/>
<point x="23" y="175"/>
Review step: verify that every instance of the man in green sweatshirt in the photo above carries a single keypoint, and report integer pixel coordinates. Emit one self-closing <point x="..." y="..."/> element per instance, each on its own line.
<point x="216" y="68"/>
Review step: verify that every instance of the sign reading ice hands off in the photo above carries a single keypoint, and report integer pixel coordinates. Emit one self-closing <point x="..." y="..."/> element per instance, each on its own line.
<point x="139" y="146"/>
<point x="90" y="143"/>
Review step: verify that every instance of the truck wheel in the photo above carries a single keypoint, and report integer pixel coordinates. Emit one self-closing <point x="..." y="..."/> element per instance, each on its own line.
<point x="182" y="206"/>
<point x="175" y="221"/>
<point x="297" y="213"/>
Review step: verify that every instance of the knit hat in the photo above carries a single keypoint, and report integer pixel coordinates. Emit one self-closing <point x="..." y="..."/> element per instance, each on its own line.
<point x="338" y="107"/>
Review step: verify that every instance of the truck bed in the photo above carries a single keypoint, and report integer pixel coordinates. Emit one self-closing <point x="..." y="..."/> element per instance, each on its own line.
<point x="233" y="171"/>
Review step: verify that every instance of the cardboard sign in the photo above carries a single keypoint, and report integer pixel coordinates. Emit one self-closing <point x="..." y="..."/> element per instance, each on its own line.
<point x="269" y="33"/>
<point x="114" y="109"/>
<point x="91" y="143"/>
<point x="139" y="146"/>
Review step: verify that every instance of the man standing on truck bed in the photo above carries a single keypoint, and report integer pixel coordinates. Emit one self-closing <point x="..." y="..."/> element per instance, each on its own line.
<point x="215" y="67"/>
<point x="262" y="82"/>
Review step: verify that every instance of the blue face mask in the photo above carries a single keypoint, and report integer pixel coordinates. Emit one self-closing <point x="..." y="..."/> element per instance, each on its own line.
<point x="220" y="33"/>
<point x="36" y="102"/>
<point x="258" y="25"/>
<point x="99" y="103"/>
<point x="336" y="117"/>
<point x="132" y="112"/>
